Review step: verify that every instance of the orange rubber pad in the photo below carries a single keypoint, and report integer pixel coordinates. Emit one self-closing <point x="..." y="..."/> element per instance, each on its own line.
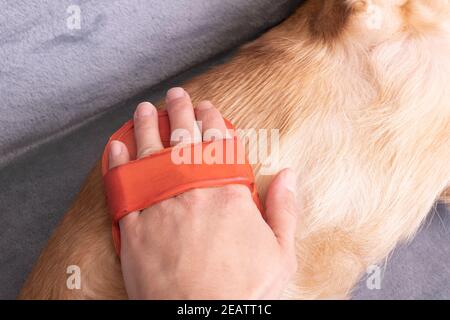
<point x="142" y="183"/>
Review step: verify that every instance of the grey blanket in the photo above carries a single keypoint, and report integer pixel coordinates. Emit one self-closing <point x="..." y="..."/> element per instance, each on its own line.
<point x="64" y="61"/>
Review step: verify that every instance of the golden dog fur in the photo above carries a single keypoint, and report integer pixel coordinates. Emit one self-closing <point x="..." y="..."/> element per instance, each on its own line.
<point x="364" y="118"/>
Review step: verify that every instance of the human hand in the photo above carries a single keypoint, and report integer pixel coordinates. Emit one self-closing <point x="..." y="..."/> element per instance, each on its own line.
<point x="209" y="243"/>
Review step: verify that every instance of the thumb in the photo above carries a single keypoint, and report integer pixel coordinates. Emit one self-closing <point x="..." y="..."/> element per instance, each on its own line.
<point x="282" y="210"/>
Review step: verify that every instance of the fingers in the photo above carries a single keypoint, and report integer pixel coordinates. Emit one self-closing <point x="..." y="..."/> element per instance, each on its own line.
<point x="146" y="130"/>
<point x="118" y="154"/>
<point x="213" y="125"/>
<point x="282" y="210"/>
<point x="182" y="122"/>
<point x="183" y="125"/>
<point x="182" y="118"/>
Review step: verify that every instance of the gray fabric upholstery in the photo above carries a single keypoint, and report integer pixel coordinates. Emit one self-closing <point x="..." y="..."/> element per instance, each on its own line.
<point x="55" y="85"/>
<point x="54" y="77"/>
<point x="417" y="270"/>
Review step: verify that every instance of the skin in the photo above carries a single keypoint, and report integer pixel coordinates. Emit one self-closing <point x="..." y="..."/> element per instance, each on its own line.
<point x="209" y="243"/>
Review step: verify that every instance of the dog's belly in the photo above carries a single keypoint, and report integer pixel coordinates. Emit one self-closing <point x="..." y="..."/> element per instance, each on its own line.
<point x="371" y="151"/>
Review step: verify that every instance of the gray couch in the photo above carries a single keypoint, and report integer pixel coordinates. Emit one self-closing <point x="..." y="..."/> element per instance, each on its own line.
<point x="65" y="91"/>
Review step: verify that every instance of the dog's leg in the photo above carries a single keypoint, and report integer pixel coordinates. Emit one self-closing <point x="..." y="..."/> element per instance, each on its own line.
<point x="82" y="239"/>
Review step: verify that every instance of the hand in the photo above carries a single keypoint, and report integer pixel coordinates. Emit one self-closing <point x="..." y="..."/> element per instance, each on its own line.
<point x="209" y="243"/>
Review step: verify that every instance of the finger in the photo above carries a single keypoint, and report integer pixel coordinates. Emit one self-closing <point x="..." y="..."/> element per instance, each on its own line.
<point x="119" y="155"/>
<point x="182" y="118"/>
<point x="282" y="210"/>
<point x="212" y="123"/>
<point x="146" y="130"/>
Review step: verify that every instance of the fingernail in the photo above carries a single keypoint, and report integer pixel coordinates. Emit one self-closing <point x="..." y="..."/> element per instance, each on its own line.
<point x="204" y="105"/>
<point x="175" y="93"/>
<point x="144" y="109"/>
<point x="290" y="180"/>
<point x="115" y="148"/>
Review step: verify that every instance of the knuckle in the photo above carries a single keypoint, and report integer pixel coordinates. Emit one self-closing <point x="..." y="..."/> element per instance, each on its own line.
<point x="208" y="114"/>
<point x="192" y="200"/>
<point x="143" y="124"/>
<point x="179" y="105"/>
<point x="205" y="105"/>
<point x="206" y="117"/>
<point x="234" y="191"/>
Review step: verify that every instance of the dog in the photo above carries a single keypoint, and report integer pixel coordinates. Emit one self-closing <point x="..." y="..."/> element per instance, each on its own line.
<point x="359" y="91"/>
